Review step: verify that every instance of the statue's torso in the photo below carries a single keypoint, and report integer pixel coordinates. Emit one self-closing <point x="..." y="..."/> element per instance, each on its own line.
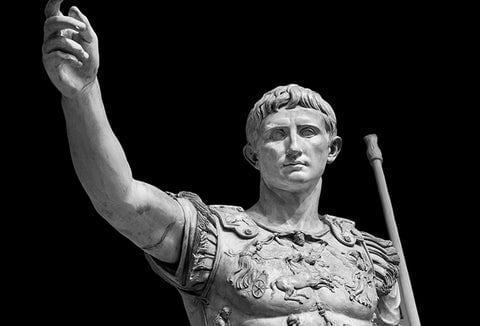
<point x="235" y="271"/>
<point x="275" y="278"/>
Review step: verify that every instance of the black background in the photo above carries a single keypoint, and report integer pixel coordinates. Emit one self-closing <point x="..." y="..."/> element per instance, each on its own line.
<point x="177" y="83"/>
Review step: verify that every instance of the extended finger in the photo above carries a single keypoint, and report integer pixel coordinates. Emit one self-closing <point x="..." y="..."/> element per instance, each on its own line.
<point x="52" y="8"/>
<point x="87" y="34"/>
<point x="65" y="45"/>
<point x="55" y="24"/>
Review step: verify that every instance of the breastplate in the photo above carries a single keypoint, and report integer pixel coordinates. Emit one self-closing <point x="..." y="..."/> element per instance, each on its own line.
<point x="268" y="277"/>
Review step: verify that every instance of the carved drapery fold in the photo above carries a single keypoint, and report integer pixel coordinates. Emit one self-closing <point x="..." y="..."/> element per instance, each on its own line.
<point x="385" y="261"/>
<point x="204" y="246"/>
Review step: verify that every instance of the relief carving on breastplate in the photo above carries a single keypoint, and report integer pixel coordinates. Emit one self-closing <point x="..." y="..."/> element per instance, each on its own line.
<point x="305" y="262"/>
<point x="223" y="317"/>
<point x="249" y="277"/>
<point x="361" y="278"/>
<point x="308" y="271"/>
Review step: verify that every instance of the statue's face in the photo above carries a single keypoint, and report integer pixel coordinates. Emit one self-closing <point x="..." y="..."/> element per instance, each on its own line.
<point x="293" y="148"/>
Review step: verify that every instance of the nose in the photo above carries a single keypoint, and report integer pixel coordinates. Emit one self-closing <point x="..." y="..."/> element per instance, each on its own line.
<point x="293" y="149"/>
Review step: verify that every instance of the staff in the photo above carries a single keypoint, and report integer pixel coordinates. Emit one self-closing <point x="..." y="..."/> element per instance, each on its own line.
<point x="375" y="157"/>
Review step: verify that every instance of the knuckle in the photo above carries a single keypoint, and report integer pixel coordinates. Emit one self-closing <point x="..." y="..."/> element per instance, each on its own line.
<point x="52" y="20"/>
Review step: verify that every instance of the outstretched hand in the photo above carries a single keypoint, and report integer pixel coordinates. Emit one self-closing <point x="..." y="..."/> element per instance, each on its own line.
<point x="70" y="49"/>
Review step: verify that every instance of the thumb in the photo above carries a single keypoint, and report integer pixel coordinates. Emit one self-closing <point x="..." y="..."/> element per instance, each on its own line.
<point x="52" y="8"/>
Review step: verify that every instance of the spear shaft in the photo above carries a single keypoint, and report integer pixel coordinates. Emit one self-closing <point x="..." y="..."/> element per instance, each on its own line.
<point x="375" y="157"/>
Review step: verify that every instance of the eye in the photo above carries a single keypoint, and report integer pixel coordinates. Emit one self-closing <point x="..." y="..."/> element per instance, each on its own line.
<point x="308" y="132"/>
<point x="277" y="134"/>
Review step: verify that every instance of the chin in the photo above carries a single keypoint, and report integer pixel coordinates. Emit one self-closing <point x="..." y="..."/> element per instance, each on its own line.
<point x="291" y="181"/>
<point x="298" y="179"/>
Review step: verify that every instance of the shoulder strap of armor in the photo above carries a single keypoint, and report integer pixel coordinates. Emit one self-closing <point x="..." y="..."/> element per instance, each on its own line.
<point x="344" y="230"/>
<point x="234" y="218"/>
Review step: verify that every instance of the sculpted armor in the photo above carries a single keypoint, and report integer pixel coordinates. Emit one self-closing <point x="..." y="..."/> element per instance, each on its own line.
<point x="235" y="271"/>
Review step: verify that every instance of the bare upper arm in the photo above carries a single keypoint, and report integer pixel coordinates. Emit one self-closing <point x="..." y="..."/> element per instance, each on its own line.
<point x="150" y="218"/>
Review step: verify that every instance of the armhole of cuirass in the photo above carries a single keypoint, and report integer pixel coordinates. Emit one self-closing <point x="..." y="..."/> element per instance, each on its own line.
<point x="385" y="261"/>
<point x="176" y="277"/>
<point x="194" y="303"/>
<point x="190" y="214"/>
<point x="216" y="263"/>
<point x="198" y="315"/>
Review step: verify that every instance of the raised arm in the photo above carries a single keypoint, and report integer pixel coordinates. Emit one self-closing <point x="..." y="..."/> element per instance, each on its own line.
<point x="144" y="214"/>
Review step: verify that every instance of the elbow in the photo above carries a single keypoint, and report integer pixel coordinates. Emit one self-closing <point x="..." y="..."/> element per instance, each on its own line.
<point x="105" y="208"/>
<point x="117" y="204"/>
<point x="111" y="206"/>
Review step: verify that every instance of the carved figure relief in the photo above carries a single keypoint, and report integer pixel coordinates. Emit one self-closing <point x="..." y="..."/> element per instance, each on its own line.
<point x="307" y="264"/>
<point x="293" y="320"/>
<point x="247" y="276"/>
<point x="223" y="317"/>
<point x="360" y="279"/>
<point x="291" y="283"/>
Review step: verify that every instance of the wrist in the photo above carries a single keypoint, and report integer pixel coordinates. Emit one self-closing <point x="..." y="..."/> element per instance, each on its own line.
<point x="86" y="94"/>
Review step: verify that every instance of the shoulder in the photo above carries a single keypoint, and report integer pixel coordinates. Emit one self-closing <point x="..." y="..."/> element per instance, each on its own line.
<point x="229" y="217"/>
<point x="343" y="229"/>
<point x="383" y="254"/>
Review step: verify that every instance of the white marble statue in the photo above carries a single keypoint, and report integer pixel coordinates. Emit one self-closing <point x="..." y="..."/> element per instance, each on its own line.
<point x="278" y="262"/>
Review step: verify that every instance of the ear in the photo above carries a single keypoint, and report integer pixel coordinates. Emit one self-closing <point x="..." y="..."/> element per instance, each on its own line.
<point x="334" y="150"/>
<point x="250" y="155"/>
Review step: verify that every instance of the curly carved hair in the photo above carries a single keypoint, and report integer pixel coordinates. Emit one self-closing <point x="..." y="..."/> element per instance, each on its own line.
<point x="288" y="97"/>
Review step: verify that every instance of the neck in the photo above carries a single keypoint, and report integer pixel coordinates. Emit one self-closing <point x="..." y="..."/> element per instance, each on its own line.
<point x="289" y="210"/>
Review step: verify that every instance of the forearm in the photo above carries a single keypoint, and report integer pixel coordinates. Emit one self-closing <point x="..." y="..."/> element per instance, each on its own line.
<point x="97" y="155"/>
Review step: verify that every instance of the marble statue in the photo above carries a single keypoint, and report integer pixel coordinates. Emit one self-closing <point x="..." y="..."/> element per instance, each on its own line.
<point x="278" y="262"/>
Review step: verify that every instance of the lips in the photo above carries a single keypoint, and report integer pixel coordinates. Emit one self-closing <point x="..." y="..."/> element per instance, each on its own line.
<point x="295" y="163"/>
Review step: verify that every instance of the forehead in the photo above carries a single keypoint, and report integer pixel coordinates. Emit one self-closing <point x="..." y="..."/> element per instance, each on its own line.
<point x="297" y="116"/>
